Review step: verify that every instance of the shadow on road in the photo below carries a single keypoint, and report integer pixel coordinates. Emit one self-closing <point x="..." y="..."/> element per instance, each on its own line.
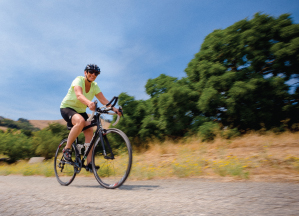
<point x="138" y="187"/>
<point x="123" y="187"/>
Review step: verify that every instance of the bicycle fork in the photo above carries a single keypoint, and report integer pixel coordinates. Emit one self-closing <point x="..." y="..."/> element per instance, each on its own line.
<point x="104" y="137"/>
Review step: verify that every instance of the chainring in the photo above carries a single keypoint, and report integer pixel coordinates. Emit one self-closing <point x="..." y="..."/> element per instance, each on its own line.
<point x="78" y="165"/>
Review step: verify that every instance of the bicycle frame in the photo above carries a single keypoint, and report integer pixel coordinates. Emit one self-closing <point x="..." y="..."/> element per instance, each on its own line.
<point x="98" y="134"/>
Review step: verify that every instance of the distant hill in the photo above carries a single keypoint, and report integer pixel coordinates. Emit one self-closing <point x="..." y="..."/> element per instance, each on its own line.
<point x="20" y="124"/>
<point x="41" y="124"/>
<point x="32" y="125"/>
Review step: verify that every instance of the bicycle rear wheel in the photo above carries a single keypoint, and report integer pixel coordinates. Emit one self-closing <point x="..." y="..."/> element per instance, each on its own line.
<point x="65" y="172"/>
<point x="113" y="172"/>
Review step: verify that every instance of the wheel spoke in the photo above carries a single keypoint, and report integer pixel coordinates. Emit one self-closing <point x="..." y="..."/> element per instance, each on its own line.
<point x="64" y="170"/>
<point x="113" y="172"/>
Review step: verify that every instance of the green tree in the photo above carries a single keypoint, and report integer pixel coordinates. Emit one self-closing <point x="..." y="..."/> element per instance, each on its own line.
<point x="172" y="106"/>
<point x="240" y="73"/>
<point x="170" y="112"/>
<point x="134" y="112"/>
<point x="23" y="120"/>
<point x="152" y="126"/>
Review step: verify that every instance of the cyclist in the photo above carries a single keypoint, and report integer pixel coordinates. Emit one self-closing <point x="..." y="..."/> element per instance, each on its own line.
<point x="73" y="108"/>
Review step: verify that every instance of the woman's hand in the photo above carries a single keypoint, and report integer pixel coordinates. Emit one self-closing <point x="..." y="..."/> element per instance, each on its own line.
<point x="92" y="106"/>
<point x="116" y="111"/>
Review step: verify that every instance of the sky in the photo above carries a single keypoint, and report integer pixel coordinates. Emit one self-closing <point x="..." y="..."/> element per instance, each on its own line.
<point x="46" y="44"/>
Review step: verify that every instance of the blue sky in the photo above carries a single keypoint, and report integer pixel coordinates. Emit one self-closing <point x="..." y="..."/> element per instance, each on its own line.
<point x="45" y="44"/>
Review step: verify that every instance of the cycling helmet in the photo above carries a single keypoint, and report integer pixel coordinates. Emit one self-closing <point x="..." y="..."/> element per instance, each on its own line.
<point x="92" y="67"/>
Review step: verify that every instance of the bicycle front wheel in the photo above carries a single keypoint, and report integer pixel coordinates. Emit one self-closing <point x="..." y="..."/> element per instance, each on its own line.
<point x="65" y="172"/>
<point x="115" y="167"/>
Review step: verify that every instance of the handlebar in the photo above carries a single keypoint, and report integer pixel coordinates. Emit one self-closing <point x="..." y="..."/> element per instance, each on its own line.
<point x="92" y="114"/>
<point x="115" y="99"/>
<point x="105" y="109"/>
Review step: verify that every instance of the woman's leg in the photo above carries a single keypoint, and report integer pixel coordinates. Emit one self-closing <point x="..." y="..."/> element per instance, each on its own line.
<point x="88" y="133"/>
<point x="79" y="122"/>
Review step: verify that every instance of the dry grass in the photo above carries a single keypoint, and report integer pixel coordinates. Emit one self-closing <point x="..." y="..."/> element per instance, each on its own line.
<point x="3" y="128"/>
<point x="255" y="157"/>
<point x="252" y="156"/>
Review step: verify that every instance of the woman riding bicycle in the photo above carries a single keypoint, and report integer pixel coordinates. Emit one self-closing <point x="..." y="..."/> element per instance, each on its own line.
<point x="73" y="107"/>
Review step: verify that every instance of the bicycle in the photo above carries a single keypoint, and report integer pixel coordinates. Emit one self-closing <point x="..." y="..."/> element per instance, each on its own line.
<point x="112" y="153"/>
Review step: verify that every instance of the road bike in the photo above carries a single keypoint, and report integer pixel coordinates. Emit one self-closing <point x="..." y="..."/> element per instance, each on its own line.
<point x="111" y="155"/>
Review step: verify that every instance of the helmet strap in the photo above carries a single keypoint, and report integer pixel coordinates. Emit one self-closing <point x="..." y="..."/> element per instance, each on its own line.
<point x="88" y="79"/>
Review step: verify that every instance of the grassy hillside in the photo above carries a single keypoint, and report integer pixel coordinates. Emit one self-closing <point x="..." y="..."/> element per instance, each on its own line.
<point x="41" y="124"/>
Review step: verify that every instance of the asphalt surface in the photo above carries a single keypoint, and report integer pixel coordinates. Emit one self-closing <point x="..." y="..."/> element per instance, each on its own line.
<point x="44" y="196"/>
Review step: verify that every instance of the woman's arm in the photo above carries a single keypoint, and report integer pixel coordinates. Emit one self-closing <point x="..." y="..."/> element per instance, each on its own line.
<point x="79" y="93"/>
<point x="104" y="101"/>
<point x="102" y="98"/>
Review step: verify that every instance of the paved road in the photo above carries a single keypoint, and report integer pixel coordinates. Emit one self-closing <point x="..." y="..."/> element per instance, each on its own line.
<point x="44" y="196"/>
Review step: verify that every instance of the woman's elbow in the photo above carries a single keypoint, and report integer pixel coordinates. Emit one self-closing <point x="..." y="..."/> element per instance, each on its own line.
<point x="79" y="97"/>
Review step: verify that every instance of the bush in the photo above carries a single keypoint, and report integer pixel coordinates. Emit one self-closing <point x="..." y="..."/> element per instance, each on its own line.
<point x="16" y="146"/>
<point x="58" y="130"/>
<point x="230" y="133"/>
<point x="278" y="130"/>
<point x="27" y="132"/>
<point x="45" y="143"/>
<point x="24" y="143"/>
<point x="208" y="131"/>
<point x="295" y="127"/>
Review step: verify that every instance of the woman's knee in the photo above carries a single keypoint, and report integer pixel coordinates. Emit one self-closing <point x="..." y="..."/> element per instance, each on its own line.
<point x="77" y="119"/>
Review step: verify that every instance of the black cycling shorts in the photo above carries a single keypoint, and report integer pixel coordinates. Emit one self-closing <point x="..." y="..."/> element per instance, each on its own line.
<point x="67" y="114"/>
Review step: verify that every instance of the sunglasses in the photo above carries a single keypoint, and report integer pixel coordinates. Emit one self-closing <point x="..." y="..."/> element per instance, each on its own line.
<point x="94" y="72"/>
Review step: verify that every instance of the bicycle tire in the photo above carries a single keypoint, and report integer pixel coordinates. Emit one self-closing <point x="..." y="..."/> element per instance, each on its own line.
<point x="65" y="172"/>
<point x="112" y="172"/>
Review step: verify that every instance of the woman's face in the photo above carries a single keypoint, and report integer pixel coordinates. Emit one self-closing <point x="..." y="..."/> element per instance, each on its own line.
<point x="89" y="76"/>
